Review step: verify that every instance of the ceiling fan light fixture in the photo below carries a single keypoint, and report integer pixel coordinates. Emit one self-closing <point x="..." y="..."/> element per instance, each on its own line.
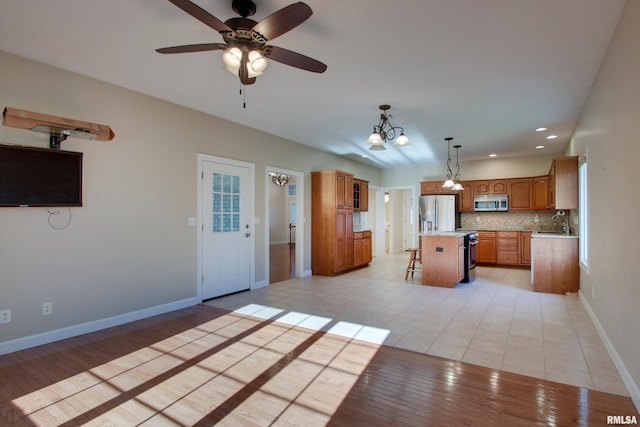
<point x="257" y="63"/>
<point x="232" y="59"/>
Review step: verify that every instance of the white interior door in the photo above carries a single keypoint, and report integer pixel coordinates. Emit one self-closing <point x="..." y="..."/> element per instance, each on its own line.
<point x="226" y="257"/>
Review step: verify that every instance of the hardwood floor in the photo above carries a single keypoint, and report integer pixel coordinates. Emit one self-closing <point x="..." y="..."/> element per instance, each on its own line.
<point x="260" y="365"/>
<point x="282" y="262"/>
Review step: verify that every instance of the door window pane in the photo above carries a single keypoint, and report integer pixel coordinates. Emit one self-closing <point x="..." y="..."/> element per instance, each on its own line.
<point x="226" y="203"/>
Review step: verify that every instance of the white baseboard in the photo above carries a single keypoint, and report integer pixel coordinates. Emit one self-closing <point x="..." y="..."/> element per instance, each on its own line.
<point x="632" y="387"/>
<point x="261" y="284"/>
<point x="96" y="325"/>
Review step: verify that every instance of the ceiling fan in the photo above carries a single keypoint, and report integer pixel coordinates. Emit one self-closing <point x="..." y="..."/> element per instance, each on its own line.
<point x="245" y="40"/>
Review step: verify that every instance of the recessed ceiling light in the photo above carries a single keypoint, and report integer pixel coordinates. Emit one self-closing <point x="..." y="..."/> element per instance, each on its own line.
<point x="539" y="146"/>
<point x="365" y="156"/>
<point x="541" y="129"/>
<point x="552" y="136"/>
<point x="492" y="155"/>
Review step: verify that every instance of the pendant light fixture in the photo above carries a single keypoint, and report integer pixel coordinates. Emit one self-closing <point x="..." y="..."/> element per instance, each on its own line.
<point x="384" y="131"/>
<point x="457" y="186"/>
<point x="448" y="183"/>
<point x="279" y="179"/>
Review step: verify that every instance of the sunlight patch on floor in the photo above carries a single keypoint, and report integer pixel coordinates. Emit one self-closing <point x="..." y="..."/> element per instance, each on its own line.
<point x="200" y="373"/>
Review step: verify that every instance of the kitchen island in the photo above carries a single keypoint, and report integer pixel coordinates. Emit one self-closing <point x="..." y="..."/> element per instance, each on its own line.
<point x="554" y="263"/>
<point x="442" y="258"/>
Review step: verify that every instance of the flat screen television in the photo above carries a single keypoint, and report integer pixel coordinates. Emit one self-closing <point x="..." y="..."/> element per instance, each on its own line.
<point x="32" y="176"/>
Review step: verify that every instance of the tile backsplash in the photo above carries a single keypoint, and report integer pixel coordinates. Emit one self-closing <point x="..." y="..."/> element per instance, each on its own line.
<point x="514" y="220"/>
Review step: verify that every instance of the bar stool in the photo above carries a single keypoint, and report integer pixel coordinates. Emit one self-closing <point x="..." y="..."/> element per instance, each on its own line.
<point x="415" y="256"/>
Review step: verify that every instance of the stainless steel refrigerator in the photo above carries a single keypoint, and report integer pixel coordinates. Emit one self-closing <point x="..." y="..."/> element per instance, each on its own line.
<point x="439" y="213"/>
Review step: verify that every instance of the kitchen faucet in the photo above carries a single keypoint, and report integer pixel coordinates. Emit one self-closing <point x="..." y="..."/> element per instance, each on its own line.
<point x="565" y="227"/>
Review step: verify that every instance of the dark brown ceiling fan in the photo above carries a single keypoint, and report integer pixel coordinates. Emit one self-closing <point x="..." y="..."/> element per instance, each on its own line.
<point x="245" y="40"/>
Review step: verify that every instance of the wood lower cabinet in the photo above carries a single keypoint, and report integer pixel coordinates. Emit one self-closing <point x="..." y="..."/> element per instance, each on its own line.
<point x="555" y="267"/>
<point x="512" y="248"/>
<point x="486" y="248"/>
<point x="525" y="248"/>
<point x="344" y="255"/>
<point x="442" y="260"/>
<point x="508" y="247"/>
<point x="362" y="251"/>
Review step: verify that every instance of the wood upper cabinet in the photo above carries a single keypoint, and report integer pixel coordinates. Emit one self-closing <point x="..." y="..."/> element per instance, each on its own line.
<point x="520" y="194"/>
<point x="431" y="187"/>
<point x="499" y="186"/>
<point x="540" y="193"/>
<point x="344" y="190"/>
<point x="360" y="195"/>
<point x="481" y="187"/>
<point x="491" y="186"/>
<point x="564" y="183"/>
<point x="466" y="197"/>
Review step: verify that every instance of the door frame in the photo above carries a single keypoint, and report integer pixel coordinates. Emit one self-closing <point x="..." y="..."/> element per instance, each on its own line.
<point x="301" y="221"/>
<point x="397" y="226"/>
<point x="252" y="213"/>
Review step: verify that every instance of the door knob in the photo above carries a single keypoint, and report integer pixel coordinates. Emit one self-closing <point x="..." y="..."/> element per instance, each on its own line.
<point x="247" y="235"/>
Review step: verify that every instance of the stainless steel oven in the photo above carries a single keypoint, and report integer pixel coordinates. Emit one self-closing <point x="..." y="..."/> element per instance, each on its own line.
<point x="470" y="243"/>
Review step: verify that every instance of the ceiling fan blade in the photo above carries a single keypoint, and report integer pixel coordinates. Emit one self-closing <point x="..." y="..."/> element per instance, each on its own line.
<point x="202" y="15"/>
<point x="283" y="20"/>
<point x="294" y="59"/>
<point x="193" y="48"/>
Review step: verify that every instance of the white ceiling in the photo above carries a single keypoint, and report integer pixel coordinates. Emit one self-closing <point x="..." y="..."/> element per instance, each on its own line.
<point x="486" y="72"/>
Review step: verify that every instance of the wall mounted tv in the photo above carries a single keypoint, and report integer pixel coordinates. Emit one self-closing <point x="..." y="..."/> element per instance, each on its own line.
<point x="39" y="177"/>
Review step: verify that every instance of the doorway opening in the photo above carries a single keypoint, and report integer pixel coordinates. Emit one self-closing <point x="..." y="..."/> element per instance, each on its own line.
<point x="285" y="230"/>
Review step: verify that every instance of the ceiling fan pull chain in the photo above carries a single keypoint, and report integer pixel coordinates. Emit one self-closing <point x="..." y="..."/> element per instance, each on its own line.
<point x="244" y="97"/>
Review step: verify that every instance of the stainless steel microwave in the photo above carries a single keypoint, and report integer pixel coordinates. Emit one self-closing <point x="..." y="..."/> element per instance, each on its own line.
<point x="490" y="203"/>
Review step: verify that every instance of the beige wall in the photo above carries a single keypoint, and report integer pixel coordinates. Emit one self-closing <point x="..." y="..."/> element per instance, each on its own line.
<point x="510" y="167"/>
<point x="129" y="247"/>
<point x="609" y="134"/>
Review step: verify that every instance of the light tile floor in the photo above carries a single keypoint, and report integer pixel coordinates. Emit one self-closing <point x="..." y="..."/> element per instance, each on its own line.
<point x="496" y="321"/>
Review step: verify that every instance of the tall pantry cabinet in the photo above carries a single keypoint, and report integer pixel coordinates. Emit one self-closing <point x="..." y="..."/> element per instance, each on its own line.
<point x="332" y="248"/>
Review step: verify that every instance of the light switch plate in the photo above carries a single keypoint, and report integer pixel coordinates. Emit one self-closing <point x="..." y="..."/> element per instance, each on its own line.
<point x="192" y="221"/>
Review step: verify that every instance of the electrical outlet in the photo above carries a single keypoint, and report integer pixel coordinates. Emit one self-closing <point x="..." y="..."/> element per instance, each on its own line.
<point x="47" y="308"/>
<point x="5" y="316"/>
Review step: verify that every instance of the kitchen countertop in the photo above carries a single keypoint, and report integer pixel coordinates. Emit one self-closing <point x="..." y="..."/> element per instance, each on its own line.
<point x="534" y="233"/>
<point x="459" y="233"/>
<point x="558" y="235"/>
